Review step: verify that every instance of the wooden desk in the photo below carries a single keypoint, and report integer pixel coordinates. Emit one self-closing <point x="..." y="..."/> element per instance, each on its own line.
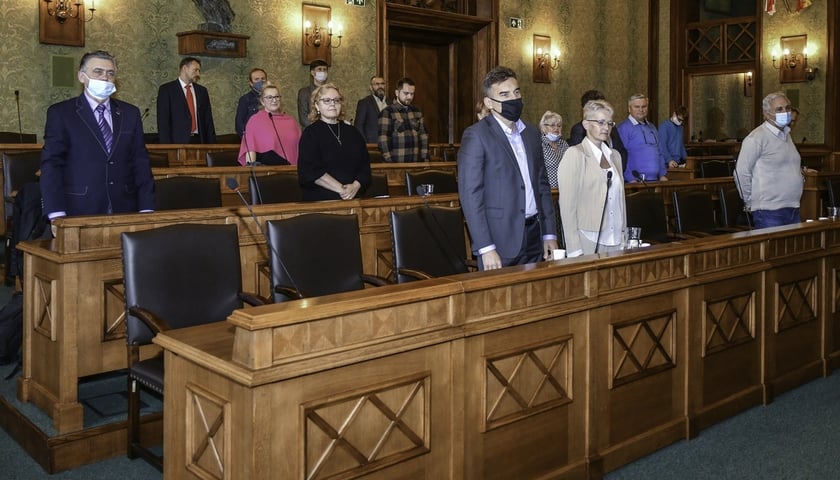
<point x="73" y="294"/>
<point x="560" y="369"/>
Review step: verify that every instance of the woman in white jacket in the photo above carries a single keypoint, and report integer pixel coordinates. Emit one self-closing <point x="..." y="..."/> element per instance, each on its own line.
<point x="591" y="189"/>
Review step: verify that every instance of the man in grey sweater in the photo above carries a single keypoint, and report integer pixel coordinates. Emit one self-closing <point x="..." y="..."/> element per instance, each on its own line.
<point x="768" y="172"/>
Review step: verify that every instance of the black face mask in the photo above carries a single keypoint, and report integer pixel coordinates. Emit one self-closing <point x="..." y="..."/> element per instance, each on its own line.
<point x="511" y="109"/>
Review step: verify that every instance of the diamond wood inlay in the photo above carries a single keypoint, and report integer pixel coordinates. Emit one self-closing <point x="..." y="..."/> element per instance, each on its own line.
<point x="642" y="347"/>
<point x="114" y="316"/>
<point x="639" y="274"/>
<point x="207" y="418"/>
<point x="565" y="288"/>
<point x="728" y="322"/>
<point x="368" y="429"/>
<point x="726" y="257"/>
<point x="44" y="323"/>
<point x="794" y="245"/>
<point x="527" y="381"/>
<point x="796" y="303"/>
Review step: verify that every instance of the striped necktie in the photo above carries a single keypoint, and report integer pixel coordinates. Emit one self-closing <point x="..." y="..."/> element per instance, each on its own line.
<point x="107" y="134"/>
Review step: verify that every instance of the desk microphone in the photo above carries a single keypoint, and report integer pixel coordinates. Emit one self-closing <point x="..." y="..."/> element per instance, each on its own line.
<point x="443" y="241"/>
<point x="17" y="101"/>
<point x="604" y="209"/>
<point x="251" y="163"/>
<point x="638" y="177"/>
<point x="145" y="114"/>
<point x="234" y="185"/>
<point x="277" y="134"/>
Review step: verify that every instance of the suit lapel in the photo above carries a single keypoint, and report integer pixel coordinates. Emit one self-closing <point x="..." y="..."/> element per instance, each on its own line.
<point x="86" y="115"/>
<point x="500" y="138"/>
<point x="116" y="122"/>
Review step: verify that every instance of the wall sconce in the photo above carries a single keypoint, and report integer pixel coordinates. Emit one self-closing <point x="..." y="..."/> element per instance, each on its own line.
<point x="319" y="35"/>
<point x="748" y="84"/>
<point x="791" y="60"/>
<point x="544" y="62"/>
<point x="63" y="10"/>
<point x="548" y="61"/>
<point x="316" y="37"/>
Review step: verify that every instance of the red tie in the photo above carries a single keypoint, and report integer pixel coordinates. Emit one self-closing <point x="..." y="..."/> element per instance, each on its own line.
<point x="191" y="105"/>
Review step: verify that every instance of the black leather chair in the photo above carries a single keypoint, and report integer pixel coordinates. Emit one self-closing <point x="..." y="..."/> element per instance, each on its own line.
<point x="279" y="188"/>
<point x="222" y="158"/>
<point x="158" y="160"/>
<point x="694" y="212"/>
<point x="715" y="168"/>
<point x="228" y="138"/>
<point x="16" y="137"/>
<point x="646" y="209"/>
<point x="378" y="187"/>
<point x="316" y="254"/>
<point x="428" y="242"/>
<point x="449" y="154"/>
<point x="19" y="168"/>
<point x="832" y="192"/>
<point x="176" y="193"/>
<point x="444" y="182"/>
<point x="176" y="276"/>
<point x="732" y="209"/>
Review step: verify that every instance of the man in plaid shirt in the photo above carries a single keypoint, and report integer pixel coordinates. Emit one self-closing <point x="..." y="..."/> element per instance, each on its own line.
<point x="402" y="134"/>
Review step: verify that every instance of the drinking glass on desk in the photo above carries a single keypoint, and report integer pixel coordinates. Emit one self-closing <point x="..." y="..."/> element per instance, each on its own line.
<point x="831" y="212"/>
<point x="426" y="189"/>
<point x="634" y="237"/>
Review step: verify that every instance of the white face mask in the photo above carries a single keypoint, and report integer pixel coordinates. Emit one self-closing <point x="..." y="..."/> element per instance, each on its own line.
<point x="100" y="89"/>
<point x="783" y="119"/>
<point x="552" y="137"/>
<point x="676" y="121"/>
<point x="320" y="77"/>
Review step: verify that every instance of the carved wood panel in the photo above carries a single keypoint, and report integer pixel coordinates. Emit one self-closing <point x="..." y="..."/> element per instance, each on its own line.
<point x="208" y="433"/>
<point x="642" y="347"/>
<point x="728" y="322"/>
<point x="796" y="303"/>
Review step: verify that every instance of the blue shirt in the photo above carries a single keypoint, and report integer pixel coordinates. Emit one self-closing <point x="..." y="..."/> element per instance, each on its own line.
<point x="671" y="141"/>
<point x="643" y="155"/>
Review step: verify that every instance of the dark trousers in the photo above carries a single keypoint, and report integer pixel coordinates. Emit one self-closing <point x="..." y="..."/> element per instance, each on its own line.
<point x="532" y="247"/>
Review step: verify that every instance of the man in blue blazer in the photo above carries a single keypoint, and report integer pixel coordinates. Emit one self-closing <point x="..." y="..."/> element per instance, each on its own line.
<point x="87" y="169"/>
<point x="502" y="184"/>
<point x="368" y="108"/>
<point x="174" y="118"/>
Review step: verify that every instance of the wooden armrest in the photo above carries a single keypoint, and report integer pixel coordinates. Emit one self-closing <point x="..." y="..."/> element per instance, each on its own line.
<point x="471" y="264"/>
<point x="289" y="292"/>
<point x="253" y="299"/>
<point x="375" y="280"/>
<point x="416" y="274"/>
<point x="155" y="323"/>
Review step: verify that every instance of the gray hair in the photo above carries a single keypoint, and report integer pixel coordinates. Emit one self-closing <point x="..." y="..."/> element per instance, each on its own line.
<point x="637" y="96"/>
<point x="549" y="115"/>
<point x="593" y="106"/>
<point x="101" y="54"/>
<point x="765" y="104"/>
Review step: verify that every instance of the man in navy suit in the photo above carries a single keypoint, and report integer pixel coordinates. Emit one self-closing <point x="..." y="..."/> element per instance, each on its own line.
<point x="94" y="160"/>
<point x="176" y="121"/>
<point x="502" y="184"/>
<point x="368" y="108"/>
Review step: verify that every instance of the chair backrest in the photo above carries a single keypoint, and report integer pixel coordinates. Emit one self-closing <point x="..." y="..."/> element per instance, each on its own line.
<point x="186" y="274"/>
<point x="176" y="193"/>
<point x="731" y="207"/>
<point x="694" y="211"/>
<point x="715" y="168"/>
<point x="19" y="168"/>
<point x="375" y="155"/>
<point x="228" y="138"/>
<point x="158" y="160"/>
<point x="444" y="182"/>
<point x="646" y="209"/>
<point x="449" y="154"/>
<point x="378" y="186"/>
<point x="428" y="239"/>
<point x="279" y="188"/>
<point x="15" y="137"/>
<point x="317" y="254"/>
<point x="222" y="158"/>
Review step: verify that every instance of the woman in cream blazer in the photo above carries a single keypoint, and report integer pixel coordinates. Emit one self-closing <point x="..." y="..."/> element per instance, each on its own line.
<point x="590" y="211"/>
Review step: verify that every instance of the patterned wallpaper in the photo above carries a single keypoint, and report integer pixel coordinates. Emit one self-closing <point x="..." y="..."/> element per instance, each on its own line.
<point x="147" y="54"/>
<point x="599" y="48"/>
<point x="721" y="109"/>
<point x="595" y="51"/>
<point x="811" y="95"/>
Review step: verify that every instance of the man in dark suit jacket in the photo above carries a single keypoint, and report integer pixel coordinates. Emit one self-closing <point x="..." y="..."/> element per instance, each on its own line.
<point x="502" y="184"/>
<point x="368" y="108"/>
<point x="80" y="175"/>
<point x="174" y="120"/>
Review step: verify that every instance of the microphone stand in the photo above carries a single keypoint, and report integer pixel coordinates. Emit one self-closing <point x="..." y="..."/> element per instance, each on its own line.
<point x="20" y="127"/>
<point x="251" y="164"/>
<point x="234" y="185"/>
<point x="603" y="211"/>
<point x="277" y="134"/>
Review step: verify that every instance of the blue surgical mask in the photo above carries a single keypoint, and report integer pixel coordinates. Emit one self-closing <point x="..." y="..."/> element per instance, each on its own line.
<point x="258" y="86"/>
<point x="552" y="137"/>
<point x="100" y="89"/>
<point x="783" y="119"/>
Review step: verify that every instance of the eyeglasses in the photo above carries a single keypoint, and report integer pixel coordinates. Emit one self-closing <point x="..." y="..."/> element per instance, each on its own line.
<point x="603" y="123"/>
<point x="552" y="125"/>
<point x="272" y="98"/>
<point x="102" y="73"/>
<point x="331" y="101"/>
